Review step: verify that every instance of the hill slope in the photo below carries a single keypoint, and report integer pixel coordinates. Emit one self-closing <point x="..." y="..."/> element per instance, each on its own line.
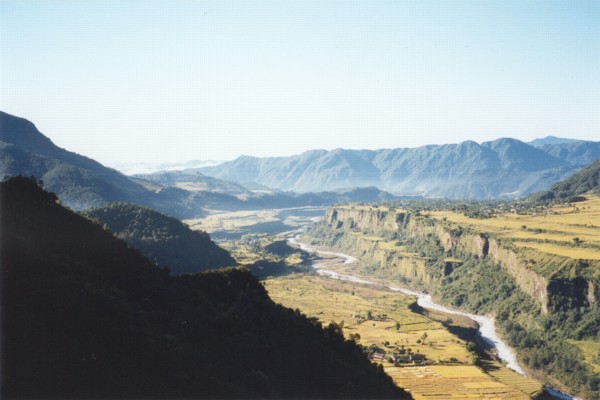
<point x="588" y="179"/>
<point x="164" y="240"/>
<point x="79" y="181"/>
<point x="84" y="316"/>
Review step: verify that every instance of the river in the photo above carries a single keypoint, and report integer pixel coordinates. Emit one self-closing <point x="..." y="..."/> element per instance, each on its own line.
<point x="487" y="326"/>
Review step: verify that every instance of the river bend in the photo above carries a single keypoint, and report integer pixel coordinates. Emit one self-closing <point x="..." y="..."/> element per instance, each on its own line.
<point x="487" y="327"/>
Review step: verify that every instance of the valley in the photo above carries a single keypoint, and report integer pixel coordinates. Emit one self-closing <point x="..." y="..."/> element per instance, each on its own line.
<point x="530" y="265"/>
<point x="294" y="200"/>
<point x="487" y="265"/>
<point x="222" y="225"/>
<point x="388" y="323"/>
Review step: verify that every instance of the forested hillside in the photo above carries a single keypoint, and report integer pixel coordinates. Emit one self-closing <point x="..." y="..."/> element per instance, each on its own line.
<point x="582" y="182"/>
<point x="164" y="240"/>
<point x="85" y="316"/>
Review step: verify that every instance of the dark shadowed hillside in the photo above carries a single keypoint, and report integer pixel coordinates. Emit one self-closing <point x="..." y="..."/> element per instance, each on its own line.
<point x="84" y="316"/>
<point x="162" y="239"/>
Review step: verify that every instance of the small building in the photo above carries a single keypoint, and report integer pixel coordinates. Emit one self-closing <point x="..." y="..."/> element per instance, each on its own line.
<point x="376" y="356"/>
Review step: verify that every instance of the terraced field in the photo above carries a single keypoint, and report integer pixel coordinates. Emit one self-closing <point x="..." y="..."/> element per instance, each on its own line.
<point x="566" y="230"/>
<point x="452" y="382"/>
<point x="451" y="373"/>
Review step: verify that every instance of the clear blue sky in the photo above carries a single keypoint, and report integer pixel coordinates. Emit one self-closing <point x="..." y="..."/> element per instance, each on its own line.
<point x="171" y="81"/>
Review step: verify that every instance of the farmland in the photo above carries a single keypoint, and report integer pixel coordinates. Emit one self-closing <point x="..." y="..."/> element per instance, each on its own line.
<point x="567" y="230"/>
<point x="535" y="266"/>
<point x="450" y="371"/>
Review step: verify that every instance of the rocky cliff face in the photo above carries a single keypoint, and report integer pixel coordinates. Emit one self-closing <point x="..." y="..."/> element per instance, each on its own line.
<point x="550" y="292"/>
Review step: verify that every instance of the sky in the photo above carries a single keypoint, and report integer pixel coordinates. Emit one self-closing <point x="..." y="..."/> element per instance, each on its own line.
<point x="152" y="81"/>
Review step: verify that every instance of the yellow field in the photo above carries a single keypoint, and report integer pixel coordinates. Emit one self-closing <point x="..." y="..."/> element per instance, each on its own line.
<point x="231" y="221"/>
<point x="342" y="302"/>
<point x="550" y="231"/>
<point x="565" y="251"/>
<point x="452" y="382"/>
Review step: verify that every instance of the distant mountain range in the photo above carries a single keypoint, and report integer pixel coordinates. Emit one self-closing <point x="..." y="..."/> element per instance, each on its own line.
<point x="504" y="167"/>
<point x="82" y="183"/>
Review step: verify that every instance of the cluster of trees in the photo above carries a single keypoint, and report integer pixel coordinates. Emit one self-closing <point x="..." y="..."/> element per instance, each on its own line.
<point x="86" y="316"/>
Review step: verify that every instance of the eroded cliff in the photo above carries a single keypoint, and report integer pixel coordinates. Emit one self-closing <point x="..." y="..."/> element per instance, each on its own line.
<point x="370" y="232"/>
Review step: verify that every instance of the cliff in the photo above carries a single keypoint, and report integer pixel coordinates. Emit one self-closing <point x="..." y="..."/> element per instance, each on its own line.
<point x="547" y="280"/>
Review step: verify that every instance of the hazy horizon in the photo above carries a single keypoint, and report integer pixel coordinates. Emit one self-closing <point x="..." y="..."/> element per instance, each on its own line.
<point x="162" y="82"/>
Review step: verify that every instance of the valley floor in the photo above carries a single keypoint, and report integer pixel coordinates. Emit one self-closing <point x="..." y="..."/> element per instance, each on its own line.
<point x="449" y="369"/>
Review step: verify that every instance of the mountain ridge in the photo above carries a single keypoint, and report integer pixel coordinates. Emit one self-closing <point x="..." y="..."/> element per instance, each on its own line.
<point x="503" y="167"/>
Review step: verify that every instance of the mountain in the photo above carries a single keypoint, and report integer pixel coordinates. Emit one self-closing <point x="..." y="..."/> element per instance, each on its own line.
<point x="85" y="316"/>
<point x="501" y="168"/>
<point x="504" y="167"/>
<point x="551" y="140"/>
<point x="164" y="240"/>
<point x="586" y="180"/>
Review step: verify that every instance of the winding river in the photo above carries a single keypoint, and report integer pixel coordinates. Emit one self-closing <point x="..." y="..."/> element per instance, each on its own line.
<point x="487" y="327"/>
